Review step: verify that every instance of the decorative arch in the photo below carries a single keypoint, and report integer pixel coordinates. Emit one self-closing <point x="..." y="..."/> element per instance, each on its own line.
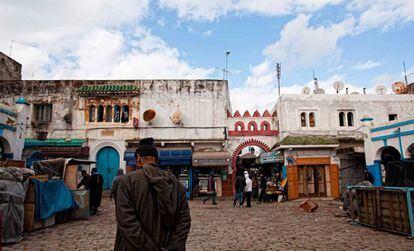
<point x="236" y="152"/>
<point x="107" y="143"/>
<point x="265" y="126"/>
<point x="254" y="125"/>
<point x="237" y="125"/>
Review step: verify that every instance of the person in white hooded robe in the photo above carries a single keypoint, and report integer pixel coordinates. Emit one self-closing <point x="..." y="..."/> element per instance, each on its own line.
<point x="248" y="189"/>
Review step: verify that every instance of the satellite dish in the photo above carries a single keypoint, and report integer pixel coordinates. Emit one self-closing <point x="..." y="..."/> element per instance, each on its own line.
<point x="306" y="90"/>
<point x="338" y="85"/>
<point x="319" y="91"/>
<point x="381" y="90"/>
<point x="354" y="92"/>
<point x="149" y="115"/>
<point x="399" y="88"/>
<point x="177" y="117"/>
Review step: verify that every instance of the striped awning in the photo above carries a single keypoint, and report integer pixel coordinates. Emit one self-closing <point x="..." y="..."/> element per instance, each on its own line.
<point x="211" y="159"/>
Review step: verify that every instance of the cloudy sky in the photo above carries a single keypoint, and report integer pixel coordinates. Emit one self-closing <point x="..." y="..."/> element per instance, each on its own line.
<point x="361" y="43"/>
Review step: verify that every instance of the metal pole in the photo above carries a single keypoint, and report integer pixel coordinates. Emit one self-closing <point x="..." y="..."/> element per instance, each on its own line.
<point x="405" y="73"/>
<point x="226" y="69"/>
<point x="278" y="71"/>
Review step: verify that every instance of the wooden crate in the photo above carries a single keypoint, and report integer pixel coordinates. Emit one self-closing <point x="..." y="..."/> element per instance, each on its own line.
<point x="71" y="177"/>
<point x="386" y="209"/>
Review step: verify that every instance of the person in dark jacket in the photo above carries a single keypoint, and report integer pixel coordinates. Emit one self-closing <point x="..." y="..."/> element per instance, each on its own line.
<point x="95" y="190"/>
<point x="84" y="181"/>
<point x="263" y="185"/>
<point x="211" y="189"/>
<point x="152" y="212"/>
<point x="240" y="185"/>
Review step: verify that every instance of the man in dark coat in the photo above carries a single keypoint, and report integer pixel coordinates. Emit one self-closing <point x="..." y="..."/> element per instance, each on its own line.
<point x="95" y="190"/>
<point x="151" y="207"/>
<point x="211" y="189"/>
<point x="84" y="181"/>
<point x="240" y="185"/>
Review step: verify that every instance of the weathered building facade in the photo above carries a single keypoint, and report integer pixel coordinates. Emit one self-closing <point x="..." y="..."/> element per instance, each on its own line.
<point x="319" y="133"/>
<point x="9" y="68"/>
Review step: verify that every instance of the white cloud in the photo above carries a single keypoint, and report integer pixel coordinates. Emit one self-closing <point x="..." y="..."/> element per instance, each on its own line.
<point x="367" y="65"/>
<point x="86" y="40"/>
<point x="301" y="44"/>
<point x="207" y="33"/>
<point x="213" y="9"/>
<point x="381" y="13"/>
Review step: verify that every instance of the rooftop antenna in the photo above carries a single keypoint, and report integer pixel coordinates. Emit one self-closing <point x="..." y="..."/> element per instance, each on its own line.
<point x="11" y="46"/>
<point x="278" y="75"/>
<point x="315" y="80"/>
<point x="226" y="72"/>
<point x="405" y="73"/>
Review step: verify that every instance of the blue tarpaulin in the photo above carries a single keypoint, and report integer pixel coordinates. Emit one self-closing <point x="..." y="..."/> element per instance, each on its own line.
<point x="52" y="197"/>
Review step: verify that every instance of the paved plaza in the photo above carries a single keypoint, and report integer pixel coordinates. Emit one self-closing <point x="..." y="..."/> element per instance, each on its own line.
<point x="276" y="226"/>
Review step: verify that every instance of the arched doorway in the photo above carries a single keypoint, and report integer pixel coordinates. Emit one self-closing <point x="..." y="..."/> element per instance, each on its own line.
<point x="5" y="150"/>
<point x="228" y="186"/>
<point x="387" y="154"/>
<point x="107" y="163"/>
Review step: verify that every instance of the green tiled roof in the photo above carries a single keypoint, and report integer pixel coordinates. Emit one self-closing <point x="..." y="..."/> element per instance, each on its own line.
<point x="53" y="142"/>
<point x="107" y="89"/>
<point x="308" y="140"/>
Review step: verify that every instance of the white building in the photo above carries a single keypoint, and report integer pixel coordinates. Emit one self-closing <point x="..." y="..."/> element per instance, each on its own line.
<point x="385" y="142"/>
<point x="321" y="131"/>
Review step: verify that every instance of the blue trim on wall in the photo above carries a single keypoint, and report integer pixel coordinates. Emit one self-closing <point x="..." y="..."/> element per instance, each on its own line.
<point x="401" y="145"/>
<point x="8" y="112"/>
<point x="375" y="171"/>
<point x="366" y="119"/>
<point x="284" y="172"/>
<point x="385" y="142"/>
<point x="403" y="123"/>
<point x="391" y="136"/>
<point x="1" y="132"/>
<point x="7" y="127"/>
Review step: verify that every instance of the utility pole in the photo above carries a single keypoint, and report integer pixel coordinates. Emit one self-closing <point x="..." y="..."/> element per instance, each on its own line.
<point x="278" y="75"/>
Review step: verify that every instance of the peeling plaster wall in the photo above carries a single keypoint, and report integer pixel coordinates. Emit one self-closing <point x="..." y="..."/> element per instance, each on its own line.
<point x="203" y="103"/>
<point x="9" y="68"/>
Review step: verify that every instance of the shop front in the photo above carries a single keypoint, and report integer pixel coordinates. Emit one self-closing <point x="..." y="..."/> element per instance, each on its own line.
<point x="204" y="163"/>
<point x="178" y="162"/>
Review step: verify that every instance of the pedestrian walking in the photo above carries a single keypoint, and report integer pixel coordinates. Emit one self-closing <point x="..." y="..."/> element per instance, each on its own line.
<point x="95" y="190"/>
<point x="152" y="212"/>
<point x="263" y="185"/>
<point x="115" y="181"/>
<point x="248" y="189"/>
<point x="240" y="184"/>
<point x="211" y="189"/>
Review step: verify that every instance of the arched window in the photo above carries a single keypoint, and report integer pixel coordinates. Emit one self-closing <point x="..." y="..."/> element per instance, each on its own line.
<point x="252" y="126"/>
<point x="341" y="119"/>
<point x="108" y="114"/>
<point x="350" y="116"/>
<point x="312" y="119"/>
<point x="303" y="119"/>
<point x="125" y="114"/>
<point x="265" y="126"/>
<point x="117" y="113"/>
<point x="100" y="113"/>
<point x="239" y="126"/>
<point x="91" y="113"/>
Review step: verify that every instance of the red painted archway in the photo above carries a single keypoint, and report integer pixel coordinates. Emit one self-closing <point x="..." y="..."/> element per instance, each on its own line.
<point x="251" y="142"/>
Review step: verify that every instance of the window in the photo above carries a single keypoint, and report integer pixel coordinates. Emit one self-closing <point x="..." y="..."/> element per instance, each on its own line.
<point x="239" y="126"/>
<point x="125" y="114"/>
<point x="91" y="113"/>
<point x="350" y="117"/>
<point x="100" y="113"/>
<point x="108" y="114"/>
<point x="392" y="117"/>
<point x="43" y="113"/>
<point x="303" y="119"/>
<point x="117" y="113"/>
<point x="312" y="119"/>
<point x="252" y="126"/>
<point x="341" y="119"/>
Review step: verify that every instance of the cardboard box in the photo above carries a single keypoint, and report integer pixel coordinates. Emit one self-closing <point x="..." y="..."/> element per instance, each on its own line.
<point x="30" y="223"/>
<point x="30" y="194"/>
<point x="71" y="177"/>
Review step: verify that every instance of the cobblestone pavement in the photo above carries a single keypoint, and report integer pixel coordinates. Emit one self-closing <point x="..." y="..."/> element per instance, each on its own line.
<point x="276" y="226"/>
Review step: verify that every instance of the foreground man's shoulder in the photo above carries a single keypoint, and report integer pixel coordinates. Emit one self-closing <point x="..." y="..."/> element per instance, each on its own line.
<point x="138" y="174"/>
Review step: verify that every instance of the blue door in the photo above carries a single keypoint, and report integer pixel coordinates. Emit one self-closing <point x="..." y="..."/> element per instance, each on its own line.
<point x="107" y="162"/>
